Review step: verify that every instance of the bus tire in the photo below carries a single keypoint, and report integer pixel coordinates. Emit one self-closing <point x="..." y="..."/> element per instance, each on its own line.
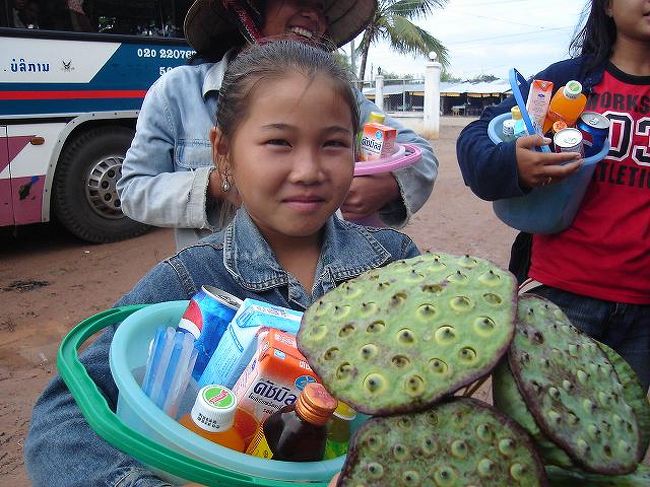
<point x="84" y="194"/>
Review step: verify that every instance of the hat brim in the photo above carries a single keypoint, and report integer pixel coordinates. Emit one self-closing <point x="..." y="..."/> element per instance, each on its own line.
<point x="211" y="30"/>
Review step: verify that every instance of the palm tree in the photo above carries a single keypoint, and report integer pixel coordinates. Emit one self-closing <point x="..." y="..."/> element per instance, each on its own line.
<point x="392" y="22"/>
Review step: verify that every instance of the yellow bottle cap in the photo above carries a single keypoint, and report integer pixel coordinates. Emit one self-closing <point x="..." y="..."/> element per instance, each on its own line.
<point x="516" y="113"/>
<point x="344" y="411"/>
<point x="376" y="117"/>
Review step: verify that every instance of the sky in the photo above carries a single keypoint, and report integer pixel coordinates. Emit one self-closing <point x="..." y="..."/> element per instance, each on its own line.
<point x="490" y="37"/>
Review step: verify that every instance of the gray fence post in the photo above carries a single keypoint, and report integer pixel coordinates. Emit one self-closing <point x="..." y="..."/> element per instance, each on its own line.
<point x="379" y="92"/>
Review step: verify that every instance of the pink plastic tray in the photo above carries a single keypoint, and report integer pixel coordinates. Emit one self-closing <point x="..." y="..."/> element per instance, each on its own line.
<point x="405" y="155"/>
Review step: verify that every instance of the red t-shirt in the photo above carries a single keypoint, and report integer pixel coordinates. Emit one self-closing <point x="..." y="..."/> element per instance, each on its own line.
<point x="605" y="253"/>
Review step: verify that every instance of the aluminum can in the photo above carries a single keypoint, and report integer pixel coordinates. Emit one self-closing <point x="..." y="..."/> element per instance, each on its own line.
<point x="206" y="319"/>
<point x="568" y="140"/>
<point x="595" y="130"/>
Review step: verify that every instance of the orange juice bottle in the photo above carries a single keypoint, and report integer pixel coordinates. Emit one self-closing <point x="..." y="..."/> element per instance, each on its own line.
<point x="213" y="415"/>
<point x="567" y="104"/>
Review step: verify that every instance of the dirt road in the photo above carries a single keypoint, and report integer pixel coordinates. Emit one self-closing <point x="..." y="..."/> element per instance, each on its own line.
<point x="50" y="281"/>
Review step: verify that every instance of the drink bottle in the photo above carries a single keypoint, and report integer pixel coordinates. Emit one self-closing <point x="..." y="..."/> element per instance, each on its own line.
<point x="338" y="431"/>
<point x="567" y="104"/>
<point x="296" y="433"/>
<point x="213" y="415"/>
<point x="520" y="126"/>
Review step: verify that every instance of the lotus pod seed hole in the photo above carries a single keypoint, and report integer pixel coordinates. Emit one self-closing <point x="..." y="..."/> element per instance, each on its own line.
<point x="374" y="443"/>
<point x="484" y="432"/>
<point x="459" y="449"/>
<point x="489" y="278"/>
<point x="400" y="452"/>
<point x="438" y="366"/>
<point x="432" y="418"/>
<point x="410" y="478"/>
<point x="376" y="327"/>
<point x="445" y="334"/>
<point x="485" y="468"/>
<point x="375" y="471"/>
<point x="369" y="351"/>
<point x="484" y="325"/>
<point x="415" y="385"/>
<point x="467" y="354"/>
<point x="318" y="332"/>
<point x="341" y="311"/>
<point x="331" y="353"/>
<point x="405" y="336"/>
<point x="344" y="371"/>
<point x="428" y="447"/>
<point x="507" y="446"/>
<point x="374" y="383"/>
<point x="405" y="423"/>
<point x="397" y="299"/>
<point x="518" y="471"/>
<point x="492" y="299"/>
<point x="461" y="304"/>
<point x="432" y="288"/>
<point x="426" y="311"/>
<point x="445" y="476"/>
<point x="346" y="331"/>
<point x="400" y="361"/>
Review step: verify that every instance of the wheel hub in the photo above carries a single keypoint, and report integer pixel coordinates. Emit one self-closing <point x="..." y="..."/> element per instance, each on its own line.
<point x="101" y="187"/>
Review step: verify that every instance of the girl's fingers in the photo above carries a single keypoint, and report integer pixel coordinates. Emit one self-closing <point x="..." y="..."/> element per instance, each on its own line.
<point x="563" y="170"/>
<point x="532" y="141"/>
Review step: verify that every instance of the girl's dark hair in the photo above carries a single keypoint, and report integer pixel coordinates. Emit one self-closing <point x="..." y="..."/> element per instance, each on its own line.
<point x="274" y="60"/>
<point x="596" y="39"/>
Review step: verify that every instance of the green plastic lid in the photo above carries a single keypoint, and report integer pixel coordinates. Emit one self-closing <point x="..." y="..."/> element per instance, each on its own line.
<point x="572" y="89"/>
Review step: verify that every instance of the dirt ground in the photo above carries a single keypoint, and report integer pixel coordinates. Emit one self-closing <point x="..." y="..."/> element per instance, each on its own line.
<point x="50" y="281"/>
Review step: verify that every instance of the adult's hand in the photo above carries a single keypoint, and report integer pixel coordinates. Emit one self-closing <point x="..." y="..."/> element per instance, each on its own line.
<point x="368" y="194"/>
<point x="542" y="168"/>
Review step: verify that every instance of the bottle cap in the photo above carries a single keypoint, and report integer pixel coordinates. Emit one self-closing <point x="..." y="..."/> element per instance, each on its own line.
<point x="344" y="411"/>
<point x="214" y="408"/>
<point x="572" y="89"/>
<point x="376" y="117"/>
<point x="315" y="405"/>
<point x="516" y="113"/>
<point x="559" y="125"/>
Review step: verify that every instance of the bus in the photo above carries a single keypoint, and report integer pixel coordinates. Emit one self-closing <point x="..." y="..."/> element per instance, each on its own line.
<point x="73" y="74"/>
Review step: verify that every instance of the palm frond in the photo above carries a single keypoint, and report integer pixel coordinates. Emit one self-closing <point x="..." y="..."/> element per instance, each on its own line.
<point x="407" y="38"/>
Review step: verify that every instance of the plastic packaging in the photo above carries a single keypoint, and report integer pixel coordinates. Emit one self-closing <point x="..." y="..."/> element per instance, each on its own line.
<point x="338" y="431"/>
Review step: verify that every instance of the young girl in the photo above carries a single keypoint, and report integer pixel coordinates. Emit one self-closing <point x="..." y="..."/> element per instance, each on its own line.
<point x="598" y="270"/>
<point x="284" y="140"/>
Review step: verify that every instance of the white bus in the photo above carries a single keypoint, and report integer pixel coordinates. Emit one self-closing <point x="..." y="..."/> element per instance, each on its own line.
<point x="73" y="74"/>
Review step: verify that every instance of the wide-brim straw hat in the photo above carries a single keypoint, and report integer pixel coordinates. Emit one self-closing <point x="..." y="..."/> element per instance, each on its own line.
<point x="211" y="30"/>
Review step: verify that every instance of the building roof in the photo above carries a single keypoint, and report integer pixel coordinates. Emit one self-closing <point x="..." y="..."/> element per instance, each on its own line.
<point x="481" y="89"/>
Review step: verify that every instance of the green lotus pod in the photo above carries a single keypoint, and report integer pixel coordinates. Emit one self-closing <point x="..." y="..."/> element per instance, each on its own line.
<point x="508" y="400"/>
<point x="633" y="393"/>
<point x="560" y="477"/>
<point x="461" y="442"/>
<point x="398" y="338"/>
<point x="574" y="410"/>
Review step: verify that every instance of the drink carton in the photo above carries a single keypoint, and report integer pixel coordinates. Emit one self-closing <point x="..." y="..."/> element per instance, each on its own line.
<point x="273" y="379"/>
<point x="377" y="141"/>
<point x="539" y="98"/>
<point x="239" y="341"/>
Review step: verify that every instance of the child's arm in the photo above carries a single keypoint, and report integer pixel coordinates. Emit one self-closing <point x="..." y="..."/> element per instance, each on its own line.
<point x="61" y="448"/>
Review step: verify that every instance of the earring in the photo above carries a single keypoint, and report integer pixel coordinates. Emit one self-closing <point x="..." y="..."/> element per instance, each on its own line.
<point x="225" y="186"/>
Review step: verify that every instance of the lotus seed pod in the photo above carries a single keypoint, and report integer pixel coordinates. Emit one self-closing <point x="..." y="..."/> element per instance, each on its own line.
<point x="399" y="338"/>
<point x="561" y="477"/>
<point x="633" y="394"/>
<point x="578" y="422"/>
<point x="502" y="455"/>
<point x="508" y="400"/>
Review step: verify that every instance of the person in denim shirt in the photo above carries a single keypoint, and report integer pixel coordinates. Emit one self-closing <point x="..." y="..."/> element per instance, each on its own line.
<point x="167" y="177"/>
<point x="285" y="246"/>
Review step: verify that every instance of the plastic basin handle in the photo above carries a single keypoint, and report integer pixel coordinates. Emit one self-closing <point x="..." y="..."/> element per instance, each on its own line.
<point x="106" y="424"/>
<point x="517" y="80"/>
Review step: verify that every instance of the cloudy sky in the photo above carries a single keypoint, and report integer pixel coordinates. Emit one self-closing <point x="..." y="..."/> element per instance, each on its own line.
<point x="491" y="36"/>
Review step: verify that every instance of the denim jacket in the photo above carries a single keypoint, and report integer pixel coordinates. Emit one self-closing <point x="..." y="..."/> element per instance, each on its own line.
<point x="165" y="174"/>
<point x="62" y="450"/>
<point x="490" y="169"/>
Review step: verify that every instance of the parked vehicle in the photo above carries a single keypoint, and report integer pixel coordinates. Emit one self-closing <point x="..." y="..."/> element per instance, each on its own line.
<point x="71" y="83"/>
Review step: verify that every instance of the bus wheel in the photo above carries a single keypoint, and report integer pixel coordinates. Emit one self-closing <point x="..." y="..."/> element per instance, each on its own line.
<point x="84" y="193"/>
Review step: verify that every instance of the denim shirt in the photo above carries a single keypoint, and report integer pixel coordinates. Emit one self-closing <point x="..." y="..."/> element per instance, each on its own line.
<point x="165" y="174"/>
<point x="62" y="450"/>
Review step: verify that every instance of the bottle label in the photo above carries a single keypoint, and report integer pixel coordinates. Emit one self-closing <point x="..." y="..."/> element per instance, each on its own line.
<point x="334" y="449"/>
<point x="259" y="447"/>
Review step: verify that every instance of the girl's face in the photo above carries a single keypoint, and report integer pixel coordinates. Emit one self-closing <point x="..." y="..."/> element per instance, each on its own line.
<point x="302" y="19"/>
<point x="632" y="18"/>
<point x="291" y="158"/>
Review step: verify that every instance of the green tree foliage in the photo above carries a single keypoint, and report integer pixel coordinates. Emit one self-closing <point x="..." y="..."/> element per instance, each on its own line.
<point x="393" y="23"/>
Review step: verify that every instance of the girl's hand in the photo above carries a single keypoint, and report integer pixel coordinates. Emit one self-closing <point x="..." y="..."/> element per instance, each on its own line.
<point x="369" y="194"/>
<point x="542" y="168"/>
<point x="334" y="480"/>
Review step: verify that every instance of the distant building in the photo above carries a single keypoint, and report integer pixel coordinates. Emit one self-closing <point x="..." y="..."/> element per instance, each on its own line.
<point x="455" y="98"/>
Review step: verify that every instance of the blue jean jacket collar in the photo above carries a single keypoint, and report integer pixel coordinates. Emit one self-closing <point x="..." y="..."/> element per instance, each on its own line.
<point x="250" y="260"/>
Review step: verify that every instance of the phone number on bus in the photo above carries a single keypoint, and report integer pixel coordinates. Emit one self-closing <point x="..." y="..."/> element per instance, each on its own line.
<point x="165" y="53"/>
